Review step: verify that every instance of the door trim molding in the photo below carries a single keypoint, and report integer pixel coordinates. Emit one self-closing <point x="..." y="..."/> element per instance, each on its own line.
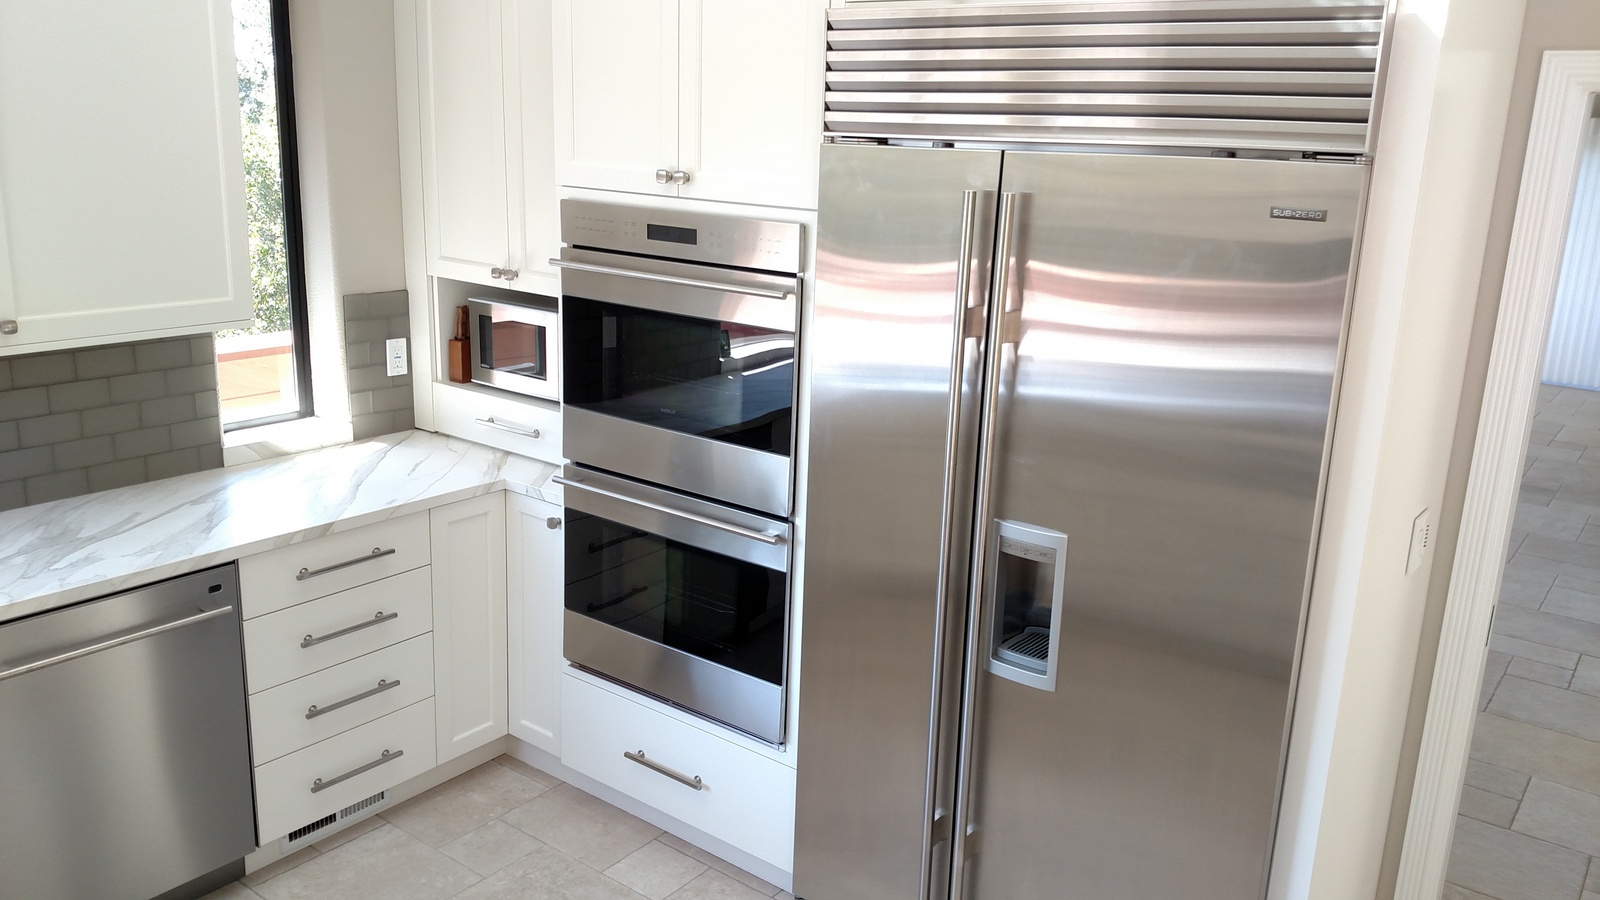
<point x="1568" y="81"/>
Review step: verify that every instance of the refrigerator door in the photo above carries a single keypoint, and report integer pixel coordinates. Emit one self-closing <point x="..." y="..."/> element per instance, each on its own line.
<point x="1170" y="332"/>
<point x="893" y="342"/>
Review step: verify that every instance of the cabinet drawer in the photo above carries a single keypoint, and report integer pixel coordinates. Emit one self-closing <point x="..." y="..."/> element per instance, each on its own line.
<point x="342" y="627"/>
<point x="746" y="799"/>
<point x="271" y="581"/>
<point x="466" y="412"/>
<point x="284" y="797"/>
<point x="346" y="695"/>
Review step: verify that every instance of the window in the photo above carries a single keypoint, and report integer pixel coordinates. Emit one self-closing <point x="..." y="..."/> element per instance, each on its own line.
<point x="264" y="371"/>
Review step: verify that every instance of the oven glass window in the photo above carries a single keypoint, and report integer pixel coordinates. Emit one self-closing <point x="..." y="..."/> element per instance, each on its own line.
<point x="514" y="347"/>
<point x="719" y="380"/>
<point x="720" y="609"/>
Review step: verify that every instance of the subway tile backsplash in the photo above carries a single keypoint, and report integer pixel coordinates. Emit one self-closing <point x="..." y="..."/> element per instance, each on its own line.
<point x="76" y="421"/>
<point x="379" y="403"/>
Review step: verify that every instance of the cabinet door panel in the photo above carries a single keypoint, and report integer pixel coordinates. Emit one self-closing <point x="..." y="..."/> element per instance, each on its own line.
<point x="540" y="209"/>
<point x="469" y="622"/>
<point x="121" y="171"/>
<point x="463" y="97"/>
<point x="535" y="585"/>
<point x="752" y="100"/>
<point x="616" y="103"/>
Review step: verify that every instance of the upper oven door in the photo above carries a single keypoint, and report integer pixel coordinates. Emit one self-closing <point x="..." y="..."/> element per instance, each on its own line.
<point x="681" y="374"/>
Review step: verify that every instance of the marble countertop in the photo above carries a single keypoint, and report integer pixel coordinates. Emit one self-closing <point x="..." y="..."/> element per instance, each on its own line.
<point x="58" y="553"/>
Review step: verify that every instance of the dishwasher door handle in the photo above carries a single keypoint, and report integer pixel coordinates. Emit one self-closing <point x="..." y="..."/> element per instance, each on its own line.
<point x="109" y="643"/>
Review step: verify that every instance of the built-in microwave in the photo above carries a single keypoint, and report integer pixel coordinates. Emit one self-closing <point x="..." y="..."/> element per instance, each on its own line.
<point x="516" y="347"/>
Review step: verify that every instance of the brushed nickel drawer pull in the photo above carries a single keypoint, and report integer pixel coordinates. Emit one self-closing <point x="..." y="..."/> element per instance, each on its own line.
<point x="525" y="432"/>
<point x="379" y="618"/>
<point x="319" y="785"/>
<point x="685" y="780"/>
<point x="375" y="554"/>
<point x="314" y="710"/>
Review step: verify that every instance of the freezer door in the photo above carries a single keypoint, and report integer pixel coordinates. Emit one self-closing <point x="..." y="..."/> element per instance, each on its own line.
<point x="1170" y="334"/>
<point x="902" y="262"/>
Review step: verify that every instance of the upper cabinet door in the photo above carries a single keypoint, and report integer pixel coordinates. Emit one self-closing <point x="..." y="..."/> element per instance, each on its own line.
<point x="751" y="100"/>
<point x="616" y="98"/>
<point x="121" y="172"/>
<point x="466" y="189"/>
<point x="539" y="211"/>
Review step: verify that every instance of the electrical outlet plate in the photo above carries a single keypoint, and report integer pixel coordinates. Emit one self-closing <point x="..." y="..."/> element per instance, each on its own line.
<point x="395" y="352"/>
<point x="1421" y="541"/>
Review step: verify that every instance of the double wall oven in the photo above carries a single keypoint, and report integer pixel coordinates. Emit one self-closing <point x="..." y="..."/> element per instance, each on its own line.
<point x="679" y="335"/>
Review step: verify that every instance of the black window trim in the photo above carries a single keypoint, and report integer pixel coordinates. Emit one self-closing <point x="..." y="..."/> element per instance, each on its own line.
<point x="293" y="226"/>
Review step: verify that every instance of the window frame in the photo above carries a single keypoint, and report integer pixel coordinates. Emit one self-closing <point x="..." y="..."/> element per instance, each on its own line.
<point x="293" y="227"/>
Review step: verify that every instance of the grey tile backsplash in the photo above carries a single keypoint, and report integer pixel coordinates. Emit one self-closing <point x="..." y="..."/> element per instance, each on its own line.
<point x="379" y="403"/>
<point x="76" y="421"/>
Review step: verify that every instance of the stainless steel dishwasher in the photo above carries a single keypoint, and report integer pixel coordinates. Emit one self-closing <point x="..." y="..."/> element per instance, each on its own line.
<point x="124" y="754"/>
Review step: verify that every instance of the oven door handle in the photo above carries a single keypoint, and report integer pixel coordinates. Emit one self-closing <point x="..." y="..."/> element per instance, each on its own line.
<point x="766" y="537"/>
<point x="769" y="293"/>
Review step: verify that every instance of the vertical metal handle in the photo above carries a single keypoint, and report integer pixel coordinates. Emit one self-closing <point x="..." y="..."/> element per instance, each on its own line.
<point x="1001" y="354"/>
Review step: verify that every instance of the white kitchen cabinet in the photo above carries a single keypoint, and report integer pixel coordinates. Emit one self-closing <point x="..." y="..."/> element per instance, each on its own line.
<point x="534" y="549"/>
<point x="469" y="622"/>
<point x="483" y="91"/>
<point x="122" y="209"/>
<point x="727" y="94"/>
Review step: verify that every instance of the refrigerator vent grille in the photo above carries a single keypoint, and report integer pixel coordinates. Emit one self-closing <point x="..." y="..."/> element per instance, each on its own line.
<point x="1296" y="75"/>
<point x="1030" y="649"/>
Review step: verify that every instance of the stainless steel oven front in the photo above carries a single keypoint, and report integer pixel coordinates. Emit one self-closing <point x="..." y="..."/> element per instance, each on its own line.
<point x="679" y="348"/>
<point x="678" y="597"/>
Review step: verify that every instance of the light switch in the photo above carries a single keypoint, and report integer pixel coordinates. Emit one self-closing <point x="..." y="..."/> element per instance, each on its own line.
<point x="395" y="352"/>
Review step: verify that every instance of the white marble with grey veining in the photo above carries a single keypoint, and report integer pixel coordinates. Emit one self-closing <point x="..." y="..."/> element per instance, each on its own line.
<point x="69" y="550"/>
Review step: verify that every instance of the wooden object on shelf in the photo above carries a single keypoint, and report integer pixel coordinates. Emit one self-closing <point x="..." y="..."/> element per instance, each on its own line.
<point x="459" y="350"/>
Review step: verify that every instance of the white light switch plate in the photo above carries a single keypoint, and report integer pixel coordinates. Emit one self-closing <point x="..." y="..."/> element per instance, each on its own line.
<point x="395" y="352"/>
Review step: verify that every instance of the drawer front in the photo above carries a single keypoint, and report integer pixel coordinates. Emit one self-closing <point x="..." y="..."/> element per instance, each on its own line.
<point x="746" y="800"/>
<point x="467" y="413"/>
<point x="284" y="797"/>
<point x="272" y="644"/>
<point x="272" y="581"/>
<point x="346" y="695"/>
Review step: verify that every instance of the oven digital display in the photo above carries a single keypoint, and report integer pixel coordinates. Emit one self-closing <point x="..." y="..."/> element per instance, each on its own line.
<point x="676" y="235"/>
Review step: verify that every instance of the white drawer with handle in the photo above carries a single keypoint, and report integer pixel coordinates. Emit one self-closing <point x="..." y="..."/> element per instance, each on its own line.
<point x="300" y="788"/>
<point x="691" y="774"/>
<point x="297" y="641"/>
<point x="300" y="713"/>
<point x="524" y="426"/>
<point x="291" y="575"/>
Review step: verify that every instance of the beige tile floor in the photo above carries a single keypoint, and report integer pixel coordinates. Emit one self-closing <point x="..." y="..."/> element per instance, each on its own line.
<point x="503" y="830"/>
<point x="1529" y="827"/>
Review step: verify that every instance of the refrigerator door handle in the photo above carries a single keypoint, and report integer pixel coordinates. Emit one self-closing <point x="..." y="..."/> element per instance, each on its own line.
<point x="1004" y="335"/>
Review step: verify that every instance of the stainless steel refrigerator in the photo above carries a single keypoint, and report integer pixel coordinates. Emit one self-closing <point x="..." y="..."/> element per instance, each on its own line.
<point x="1068" y="419"/>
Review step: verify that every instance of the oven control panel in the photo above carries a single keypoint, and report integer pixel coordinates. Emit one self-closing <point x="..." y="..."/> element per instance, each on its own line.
<point x="674" y="234"/>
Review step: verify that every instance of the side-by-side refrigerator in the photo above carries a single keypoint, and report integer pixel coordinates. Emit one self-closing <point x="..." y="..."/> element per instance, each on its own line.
<point x="1069" y="412"/>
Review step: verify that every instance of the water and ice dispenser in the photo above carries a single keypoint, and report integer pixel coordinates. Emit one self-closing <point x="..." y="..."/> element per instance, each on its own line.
<point x="1026" y="574"/>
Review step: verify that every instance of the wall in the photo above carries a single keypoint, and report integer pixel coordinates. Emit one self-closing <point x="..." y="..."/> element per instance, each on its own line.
<point x="1548" y="25"/>
<point x="76" y="421"/>
<point x="379" y="403"/>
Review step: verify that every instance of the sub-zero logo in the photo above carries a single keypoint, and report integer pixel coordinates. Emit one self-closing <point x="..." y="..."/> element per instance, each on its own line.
<point x="1308" y="215"/>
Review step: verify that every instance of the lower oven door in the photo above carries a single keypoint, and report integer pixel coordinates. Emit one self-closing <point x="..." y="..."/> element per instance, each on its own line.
<point x="678" y="597"/>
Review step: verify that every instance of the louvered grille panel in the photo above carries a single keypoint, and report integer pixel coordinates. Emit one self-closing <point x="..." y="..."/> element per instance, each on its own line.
<point x="1236" y="74"/>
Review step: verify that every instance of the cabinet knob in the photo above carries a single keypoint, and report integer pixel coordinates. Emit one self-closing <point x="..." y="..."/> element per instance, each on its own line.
<point x="9" y="326"/>
<point x="680" y="177"/>
<point x="663" y="176"/>
<point x="509" y="274"/>
<point x="497" y="272"/>
<point x="553" y="523"/>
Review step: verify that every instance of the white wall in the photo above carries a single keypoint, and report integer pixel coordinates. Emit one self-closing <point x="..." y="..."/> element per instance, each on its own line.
<point x="349" y="168"/>
<point x="1438" y="150"/>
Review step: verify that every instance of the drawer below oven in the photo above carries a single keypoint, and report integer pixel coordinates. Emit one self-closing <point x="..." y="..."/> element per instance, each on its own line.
<point x="744" y="798"/>
<point x="352" y="767"/>
<point x="282" y="719"/>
